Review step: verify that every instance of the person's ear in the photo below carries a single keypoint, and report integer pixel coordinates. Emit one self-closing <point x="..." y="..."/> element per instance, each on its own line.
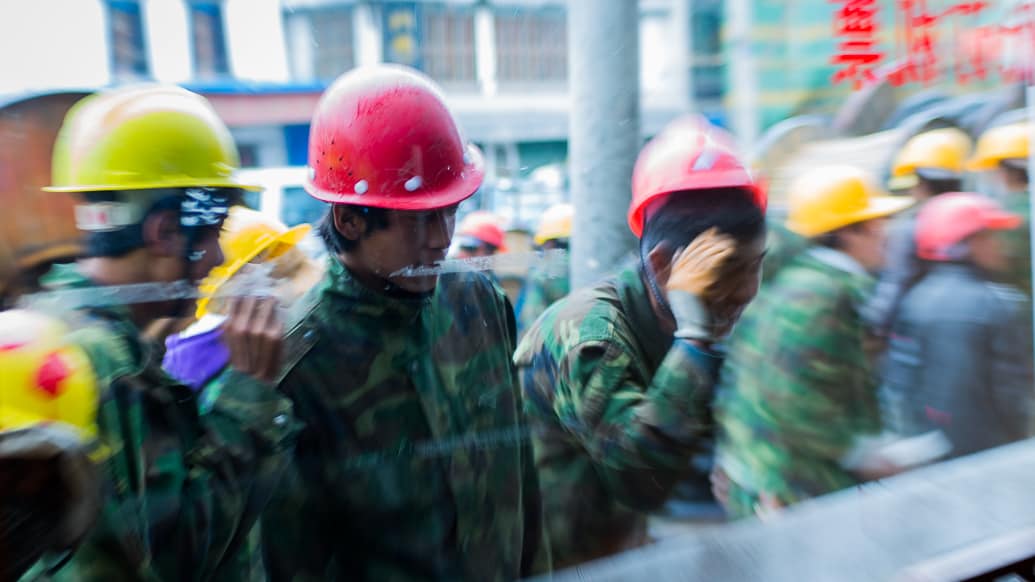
<point x="659" y="259"/>
<point x="349" y="223"/>
<point x="162" y="236"/>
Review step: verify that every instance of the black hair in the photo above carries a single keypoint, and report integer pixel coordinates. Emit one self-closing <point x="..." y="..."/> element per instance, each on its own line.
<point x="940" y="186"/>
<point x="681" y="217"/>
<point x="375" y="218"/>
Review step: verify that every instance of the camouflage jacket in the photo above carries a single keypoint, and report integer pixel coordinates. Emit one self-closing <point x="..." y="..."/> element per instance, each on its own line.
<point x="181" y="492"/>
<point x="797" y="388"/>
<point x="617" y="409"/>
<point x="542" y="290"/>
<point x="1018" y="242"/>
<point x="413" y="463"/>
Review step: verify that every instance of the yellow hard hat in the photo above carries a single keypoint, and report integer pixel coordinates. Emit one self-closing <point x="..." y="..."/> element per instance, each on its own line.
<point x="556" y="223"/>
<point x="941" y="152"/>
<point x="1006" y="142"/>
<point x="141" y="138"/>
<point x="246" y="235"/>
<point x="831" y="197"/>
<point x="43" y="377"/>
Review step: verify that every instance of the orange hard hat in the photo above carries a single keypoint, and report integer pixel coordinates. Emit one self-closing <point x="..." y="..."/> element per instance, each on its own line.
<point x="949" y="219"/>
<point x="685" y="158"/>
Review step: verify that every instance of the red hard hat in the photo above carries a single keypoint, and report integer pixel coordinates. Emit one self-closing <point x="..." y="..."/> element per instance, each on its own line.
<point x="383" y="137"/>
<point x="485" y="227"/>
<point x="949" y="219"/>
<point x="685" y="158"/>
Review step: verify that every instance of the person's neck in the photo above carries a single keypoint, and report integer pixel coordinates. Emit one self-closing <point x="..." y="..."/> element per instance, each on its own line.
<point x="375" y="282"/>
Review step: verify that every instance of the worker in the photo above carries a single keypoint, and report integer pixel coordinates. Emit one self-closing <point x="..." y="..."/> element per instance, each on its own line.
<point x="480" y="235"/>
<point x="198" y="357"/>
<point x="549" y="281"/>
<point x="49" y="452"/>
<point x="404" y="366"/>
<point x="1002" y="154"/>
<point x="798" y="396"/>
<point x="960" y="356"/>
<point x="618" y="377"/>
<point x="153" y="166"/>
<point x="930" y="164"/>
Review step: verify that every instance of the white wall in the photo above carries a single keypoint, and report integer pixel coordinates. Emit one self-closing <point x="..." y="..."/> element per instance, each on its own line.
<point x="255" y="40"/>
<point x="167" y="36"/>
<point x="49" y="44"/>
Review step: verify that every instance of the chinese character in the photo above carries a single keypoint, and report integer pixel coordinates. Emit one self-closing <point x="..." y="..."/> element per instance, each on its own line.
<point x="857" y="55"/>
<point x="917" y="38"/>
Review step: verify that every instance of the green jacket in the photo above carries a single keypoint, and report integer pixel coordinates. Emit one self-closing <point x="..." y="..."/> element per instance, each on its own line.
<point x="181" y="492"/>
<point x="797" y="387"/>
<point x="617" y="409"/>
<point x="414" y="462"/>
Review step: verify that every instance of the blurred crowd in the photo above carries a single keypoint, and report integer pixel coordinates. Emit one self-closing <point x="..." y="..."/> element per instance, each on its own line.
<point x="375" y="414"/>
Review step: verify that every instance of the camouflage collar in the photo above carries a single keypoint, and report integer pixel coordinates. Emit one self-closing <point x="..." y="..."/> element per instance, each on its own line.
<point x="343" y="286"/>
<point x="635" y="300"/>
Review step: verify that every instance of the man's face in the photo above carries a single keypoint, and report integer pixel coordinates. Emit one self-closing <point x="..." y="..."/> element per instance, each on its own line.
<point x="206" y="252"/>
<point x="865" y="242"/>
<point x="737" y="283"/>
<point x="412" y="239"/>
<point x="986" y="251"/>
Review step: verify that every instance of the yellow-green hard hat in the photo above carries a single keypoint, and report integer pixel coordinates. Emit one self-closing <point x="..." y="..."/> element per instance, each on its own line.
<point x="142" y="138"/>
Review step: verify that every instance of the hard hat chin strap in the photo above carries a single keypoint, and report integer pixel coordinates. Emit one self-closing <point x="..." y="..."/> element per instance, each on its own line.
<point x="652" y="284"/>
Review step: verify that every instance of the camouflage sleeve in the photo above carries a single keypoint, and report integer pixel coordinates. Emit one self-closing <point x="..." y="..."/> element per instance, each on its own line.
<point x="639" y="434"/>
<point x="256" y="420"/>
<point x="822" y="396"/>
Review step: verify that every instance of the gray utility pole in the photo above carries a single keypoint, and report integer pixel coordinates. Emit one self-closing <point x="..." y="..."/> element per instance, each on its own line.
<point x="604" y="67"/>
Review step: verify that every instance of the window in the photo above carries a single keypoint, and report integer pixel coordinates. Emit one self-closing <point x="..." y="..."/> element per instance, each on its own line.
<point x="301" y="208"/>
<point x="706" y="59"/>
<point x="531" y="45"/>
<point x="126" y="33"/>
<point x="447" y="47"/>
<point x="208" y="40"/>
<point x="333" y="40"/>
<point x="321" y="41"/>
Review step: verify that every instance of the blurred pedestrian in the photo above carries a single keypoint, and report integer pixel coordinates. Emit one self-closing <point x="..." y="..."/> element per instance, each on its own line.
<point x="50" y="457"/>
<point x="480" y="234"/>
<point x="550" y="282"/>
<point x="960" y="353"/>
<point x="153" y="165"/>
<point x="412" y="463"/>
<point x="198" y="356"/>
<point x="1003" y="153"/>
<point x="798" y="393"/>
<point x="618" y="377"/>
<point x="930" y="164"/>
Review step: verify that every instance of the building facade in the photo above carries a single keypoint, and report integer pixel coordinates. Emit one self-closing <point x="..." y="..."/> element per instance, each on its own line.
<point x="264" y="63"/>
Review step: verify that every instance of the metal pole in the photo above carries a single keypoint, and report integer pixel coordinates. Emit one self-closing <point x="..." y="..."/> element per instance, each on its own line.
<point x="1030" y="98"/>
<point x="743" y="76"/>
<point x="603" y="49"/>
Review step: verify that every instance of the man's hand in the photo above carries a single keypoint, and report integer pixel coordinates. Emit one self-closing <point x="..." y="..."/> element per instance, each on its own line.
<point x="254" y="333"/>
<point x="694" y="272"/>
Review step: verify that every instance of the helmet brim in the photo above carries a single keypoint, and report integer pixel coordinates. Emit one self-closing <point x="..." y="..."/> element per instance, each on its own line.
<point x="175" y="183"/>
<point x="457" y="191"/>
